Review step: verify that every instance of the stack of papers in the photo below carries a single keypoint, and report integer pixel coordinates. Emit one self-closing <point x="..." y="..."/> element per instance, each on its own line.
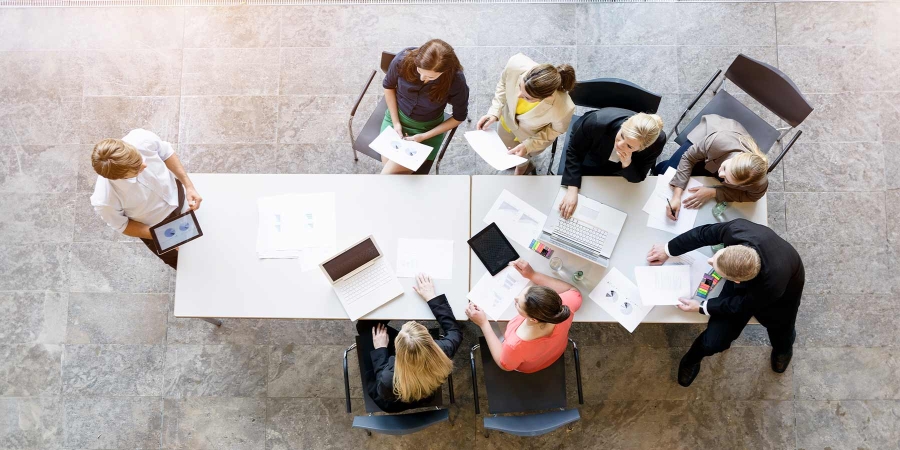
<point x="619" y="297"/>
<point x="663" y="285"/>
<point x="697" y="263"/>
<point x="409" y="154"/>
<point x="519" y="221"/>
<point x="491" y="148"/>
<point x="495" y="294"/>
<point x="297" y="226"/>
<point x="656" y="206"/>
<point x="429" y="256"/>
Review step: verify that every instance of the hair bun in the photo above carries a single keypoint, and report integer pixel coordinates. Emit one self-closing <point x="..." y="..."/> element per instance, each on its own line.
<point x="567" y="77"/>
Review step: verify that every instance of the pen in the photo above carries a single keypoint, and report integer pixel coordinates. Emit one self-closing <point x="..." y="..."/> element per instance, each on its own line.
<point x="669" y="204"/>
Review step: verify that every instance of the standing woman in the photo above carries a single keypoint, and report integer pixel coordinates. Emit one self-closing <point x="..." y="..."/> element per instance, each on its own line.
<point x="419" y="84"/>
<point x="532" y="105"/>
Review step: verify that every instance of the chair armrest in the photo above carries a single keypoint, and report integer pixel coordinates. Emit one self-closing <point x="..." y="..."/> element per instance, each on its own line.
<point x="784" y="152"/>
<point x="577" y="372"/>
<point x="674" y="132"/>
<point x="362" y="94"/>
<point x="347" y="378"/>
<point x="444" y="145"/>
<point x="474" y="377"/>
<point x="552" y="157"/>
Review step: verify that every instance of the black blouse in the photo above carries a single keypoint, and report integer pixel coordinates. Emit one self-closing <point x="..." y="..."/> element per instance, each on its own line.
<point x="414" y="98"/>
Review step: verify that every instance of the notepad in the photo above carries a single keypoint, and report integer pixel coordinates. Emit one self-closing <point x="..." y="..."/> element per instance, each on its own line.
<point x="663" y="285"/>
<point x="655" y="206"/>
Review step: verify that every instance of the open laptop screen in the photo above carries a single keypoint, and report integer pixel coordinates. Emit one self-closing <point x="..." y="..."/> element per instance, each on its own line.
<point x="351" y="259"/>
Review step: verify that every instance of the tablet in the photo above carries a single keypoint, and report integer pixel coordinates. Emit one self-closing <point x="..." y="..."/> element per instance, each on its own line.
<point x="176" y="231"/>
<point x="493" y="249"/>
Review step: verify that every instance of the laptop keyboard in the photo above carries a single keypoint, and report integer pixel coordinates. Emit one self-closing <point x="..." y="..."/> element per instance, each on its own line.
<point x="581" y="233"/>
<point x="364" y="282"/>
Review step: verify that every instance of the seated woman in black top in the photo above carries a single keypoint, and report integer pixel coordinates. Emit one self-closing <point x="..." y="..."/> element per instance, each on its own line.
<point x="633" y="136"/>
<point x="405" y="368"/>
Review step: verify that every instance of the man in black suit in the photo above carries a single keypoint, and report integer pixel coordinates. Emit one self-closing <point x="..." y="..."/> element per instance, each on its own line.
<point x="763" y="278"/>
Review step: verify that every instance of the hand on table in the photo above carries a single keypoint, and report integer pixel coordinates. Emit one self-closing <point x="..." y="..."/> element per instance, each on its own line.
<point x="379" y="336"/>
<point x="701" y="195"/>
<point x="424" y="287"/>
<point x="523" y="268"/>
<point x="657" y="255"/>
<point x="688" y="305"/>
<point x="476" y="315"/>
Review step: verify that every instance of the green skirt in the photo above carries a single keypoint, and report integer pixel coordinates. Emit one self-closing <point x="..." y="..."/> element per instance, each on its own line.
<point x="412" y="127"/>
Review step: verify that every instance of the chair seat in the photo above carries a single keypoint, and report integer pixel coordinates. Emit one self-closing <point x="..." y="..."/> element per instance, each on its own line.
<point x="398" y="424"/>
<point x="533" y="424"/>
<point x="546" y="388"/>
<point x="725" y="105"/>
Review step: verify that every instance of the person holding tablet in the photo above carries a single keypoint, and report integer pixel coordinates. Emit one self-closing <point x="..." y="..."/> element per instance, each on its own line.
<point x="405" y="368"/>
<point x="419" y="84"/>
<point x="532" y="105"/>
<point x="609" y="142"/>
<point x="538" y="335"/>
<point x="140" y="183"/>
<point x="728" y="153"/>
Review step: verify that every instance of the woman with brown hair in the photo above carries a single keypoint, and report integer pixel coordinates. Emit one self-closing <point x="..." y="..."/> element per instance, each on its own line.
<point x="405" y="368"/>
<point x="532" y="105"/>
<point x="538" y="336"/>
<point x="419" y="84"/>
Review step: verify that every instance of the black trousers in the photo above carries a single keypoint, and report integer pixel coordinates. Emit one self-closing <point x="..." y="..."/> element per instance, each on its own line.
<point x="170" y="257"/>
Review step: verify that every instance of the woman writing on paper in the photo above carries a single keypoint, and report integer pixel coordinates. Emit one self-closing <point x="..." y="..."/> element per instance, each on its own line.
<point x="405" y="368"/>
<point x="609" y="142"/>
<point x="728" y="153"/>
<point x="538" y="335"/>
<point x="419" y="84"/>
<point x="532" y="105"/>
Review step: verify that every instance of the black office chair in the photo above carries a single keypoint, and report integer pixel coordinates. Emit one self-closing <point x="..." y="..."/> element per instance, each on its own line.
<point x="608" y="93"/>
<point x="372" y="128"/>
<point x="765" y="84"/>
<point x="516" y="392"/>
<point x="430" y="412"/>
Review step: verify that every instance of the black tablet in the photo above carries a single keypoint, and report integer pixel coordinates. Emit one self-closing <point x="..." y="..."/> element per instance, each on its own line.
<point x="176" y="231"/>
<point x="493" y="249"/>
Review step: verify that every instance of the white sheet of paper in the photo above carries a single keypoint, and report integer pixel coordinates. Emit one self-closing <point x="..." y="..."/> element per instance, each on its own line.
<point x="431" y="256"/>
<point x="491" y="148"/>
<point x="519" y="221"/>
<point x="619" y="297"/>
<point x="663" y="285"/>
<point x="409" y="154"/>
<point x="697" y="262"/>
<point x="655" y="206"/>
<point x="495" y="294"/>
<point x="291" y="223"/>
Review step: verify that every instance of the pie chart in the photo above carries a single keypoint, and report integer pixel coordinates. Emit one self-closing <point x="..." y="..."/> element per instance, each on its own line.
<point x="169" y="232"/>
<point x="184" y="226"/>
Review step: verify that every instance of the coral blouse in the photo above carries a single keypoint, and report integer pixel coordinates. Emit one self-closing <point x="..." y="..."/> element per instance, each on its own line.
<point x="537" y="354"/>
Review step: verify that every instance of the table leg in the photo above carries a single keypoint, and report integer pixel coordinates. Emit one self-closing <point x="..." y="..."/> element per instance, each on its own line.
<point x="215" y="322"/>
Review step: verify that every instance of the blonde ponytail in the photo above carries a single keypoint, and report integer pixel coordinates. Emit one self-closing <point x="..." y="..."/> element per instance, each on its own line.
<point x="420" y="366"/>
<point x="644" y="128"/>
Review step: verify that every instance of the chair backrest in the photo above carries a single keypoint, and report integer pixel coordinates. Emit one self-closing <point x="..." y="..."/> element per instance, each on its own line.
<point x="770" y="87"/>
<point x="386" y="58"/>
<point x="614" y="92"/>
<point x="510" y="392"/>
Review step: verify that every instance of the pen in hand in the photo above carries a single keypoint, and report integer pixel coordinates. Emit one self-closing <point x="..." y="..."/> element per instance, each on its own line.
<point x="669" y="204"/>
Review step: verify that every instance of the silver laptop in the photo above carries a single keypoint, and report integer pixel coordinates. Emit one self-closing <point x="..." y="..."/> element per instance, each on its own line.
<point x="362" y="278"/>
<point x="590" y="233"/>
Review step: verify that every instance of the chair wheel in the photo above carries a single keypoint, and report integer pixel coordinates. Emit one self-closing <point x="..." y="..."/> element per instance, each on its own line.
<point x="368" y="433"/>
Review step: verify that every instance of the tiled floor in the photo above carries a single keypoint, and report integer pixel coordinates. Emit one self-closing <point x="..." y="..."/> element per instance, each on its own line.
<point x="92" y="358"/>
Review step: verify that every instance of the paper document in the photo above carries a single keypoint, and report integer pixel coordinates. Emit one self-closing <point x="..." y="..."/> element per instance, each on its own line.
<point x="297" y="226"/>
<point x="656" y="206"/>
<point x="663" y="285"/>
<point x="491" y="148"/>
<point x="697" y="263"/>
<point x="495" y="294"/>
<point x="519" y="221"/>
<point x="619" y="297"/>
<point x="430" y="256"/>
<point x="409" y="154"/>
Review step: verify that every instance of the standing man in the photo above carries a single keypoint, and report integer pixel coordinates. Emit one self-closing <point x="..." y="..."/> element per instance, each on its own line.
<point x="141" y="183"/>
<point x="764" y="278"/>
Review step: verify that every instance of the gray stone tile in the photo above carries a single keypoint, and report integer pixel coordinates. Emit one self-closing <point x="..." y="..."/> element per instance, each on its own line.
<point x="646" y="335"/>
<point x="840" y="321"/>
<point x="27" y="76"/>
<point x="811" y="217"/>
<point x="744" y="373"/>
<point x="311" y="332"/>
<point x="651" y="67"/>
<point x="231" y="71"/>
<point x="34" y="267"/>
<point x="697" y="63"/>
<point x="892" y="206"/>
<point x="228" y="120"/>
<point x="846" y="374"/>
<point x="459" y="159"/>
<point x="41" y="121"/>
<point x="556" y="21"/>
<point x="886" y="31"/>
<point x="726" y="23"/>
<point x="229" y="158"/>
<point x="117" y="318"/>
<point x="837" y="269"/>
<point x="30" y="370"/>
<point x="743" y="424"/>
<point x="847" y="424"/>
<point x="154" y="72"/>
<point x="296" y="371"/>
<point x="36" y="218"/>
<point x="627" y="24"/>
<point x="39" y="168"/>
<point x="31" y="423"/>
<point x="294" y="423"/>
<point x="104" y="422"/>
<point x="490" y="62"/>
<point x="829" y="167"/>
<point x="114" y="117"/>
<point x="890" y="116"/>
<point x="847" y="117"/>
<point x="320" y="119"/>
<point x="776" y="212"/>
<point x="232" y="26"/>
<point x="215" y="371"/>
<point x="835" y="69"/>
<point x="607" y="373"/>
<point x="812" y="23"/>
<point x="117" y="267"/>
<point x="348" y="70"/>
<point x="323" y="158"/>
<point x="232" y="331"/>
<point x="776" y="177"/>
<point x="89" y="227"/>
<point x="113" y="370"/>
<point x="213" y="423"/>
<point x="33" y="317"/>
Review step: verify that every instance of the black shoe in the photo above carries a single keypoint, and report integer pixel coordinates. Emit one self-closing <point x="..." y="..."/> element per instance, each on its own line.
<point x="780" y="361"/>
<point x="687" y="372"/>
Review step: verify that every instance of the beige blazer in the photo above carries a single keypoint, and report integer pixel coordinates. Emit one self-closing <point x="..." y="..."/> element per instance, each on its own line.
<point x="715" y="139"/>
<point x="539" y="127"/>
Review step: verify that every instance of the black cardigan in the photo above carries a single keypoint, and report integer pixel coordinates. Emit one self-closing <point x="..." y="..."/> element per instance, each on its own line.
<point x="382" y="390"/>
<point x="591" y="143"/>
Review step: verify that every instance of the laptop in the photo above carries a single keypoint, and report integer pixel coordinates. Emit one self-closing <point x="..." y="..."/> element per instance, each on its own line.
<point x="362" y="278"/>
<point x="590" y="233"/>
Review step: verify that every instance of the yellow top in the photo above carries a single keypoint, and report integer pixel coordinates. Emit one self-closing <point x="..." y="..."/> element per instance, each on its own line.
<point x="522" y="107"/>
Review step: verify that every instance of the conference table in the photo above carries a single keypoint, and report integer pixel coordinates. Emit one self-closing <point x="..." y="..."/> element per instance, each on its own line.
<point x="221" y="276"/>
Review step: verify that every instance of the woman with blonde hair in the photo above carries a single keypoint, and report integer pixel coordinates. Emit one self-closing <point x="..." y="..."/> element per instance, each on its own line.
<point x="405" y="368"/>
<point x="533" y="107"/>
<point x="610" y="142"/>
<point x="728" y="153"/>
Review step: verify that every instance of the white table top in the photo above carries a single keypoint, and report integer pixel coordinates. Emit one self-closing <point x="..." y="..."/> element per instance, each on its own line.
<point x="220" y="275"/>
<point x="631" y="248"/>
